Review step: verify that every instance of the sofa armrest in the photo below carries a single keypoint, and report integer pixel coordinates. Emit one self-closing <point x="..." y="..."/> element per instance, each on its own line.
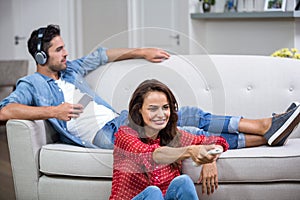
<point x="25" y="139"/>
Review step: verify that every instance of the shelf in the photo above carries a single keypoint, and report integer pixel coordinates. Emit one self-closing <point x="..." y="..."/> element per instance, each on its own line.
<point x="248" y="15"/>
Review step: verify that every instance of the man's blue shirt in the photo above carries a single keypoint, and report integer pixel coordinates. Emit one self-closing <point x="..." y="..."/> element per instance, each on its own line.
<point x="41" y="90"/>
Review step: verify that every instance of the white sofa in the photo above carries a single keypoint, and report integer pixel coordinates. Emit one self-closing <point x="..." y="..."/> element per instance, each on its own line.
<point x="252" y="86"/>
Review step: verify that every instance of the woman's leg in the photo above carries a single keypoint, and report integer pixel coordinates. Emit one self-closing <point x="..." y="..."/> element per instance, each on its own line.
<point x="181" y="187"/>
<point x="150" y="193"/>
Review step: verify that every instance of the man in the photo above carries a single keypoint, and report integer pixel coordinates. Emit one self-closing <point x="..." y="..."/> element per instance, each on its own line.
<point x="47" y="48"/>
<point x="50" y="94"/>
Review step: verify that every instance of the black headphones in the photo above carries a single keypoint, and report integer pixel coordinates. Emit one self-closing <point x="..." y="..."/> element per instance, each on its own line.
<point x="40" y="56"/>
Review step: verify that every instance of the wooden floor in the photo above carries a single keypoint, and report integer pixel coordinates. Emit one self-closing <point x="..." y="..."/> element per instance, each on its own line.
<point x="6" y="181"/>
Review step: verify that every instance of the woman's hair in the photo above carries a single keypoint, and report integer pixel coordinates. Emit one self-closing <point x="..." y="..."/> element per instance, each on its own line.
<point x="50" y="32"/>
<point x="169" y="136"/>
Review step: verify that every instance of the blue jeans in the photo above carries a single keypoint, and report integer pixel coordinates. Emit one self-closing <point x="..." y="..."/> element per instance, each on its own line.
<point x="198" y="122"/>
<point x="105" y="137"/>
<point x="190" y="119"/>
<point x="181" y="187"/>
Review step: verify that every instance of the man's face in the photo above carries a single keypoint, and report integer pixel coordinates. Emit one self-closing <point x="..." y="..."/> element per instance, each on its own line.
<point x="57" y="55"/>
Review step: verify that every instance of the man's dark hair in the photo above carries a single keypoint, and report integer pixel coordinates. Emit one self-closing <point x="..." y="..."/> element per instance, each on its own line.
<point x="51" y="31"/>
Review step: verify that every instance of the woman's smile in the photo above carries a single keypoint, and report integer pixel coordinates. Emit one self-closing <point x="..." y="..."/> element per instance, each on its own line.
<point x="155" y="112"/>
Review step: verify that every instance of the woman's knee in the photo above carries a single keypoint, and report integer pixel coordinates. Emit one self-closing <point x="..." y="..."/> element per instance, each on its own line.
<point x="153" y="188"/>
<point x="184" y="179"/>
<point x="151" y="192"/>
<point x="182" y="187"/>
<point x="154" y="191"/>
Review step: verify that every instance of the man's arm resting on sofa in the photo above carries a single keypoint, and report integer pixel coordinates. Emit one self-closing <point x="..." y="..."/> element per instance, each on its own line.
<point x="150" y="54"/>
<point x="64" y="111"/>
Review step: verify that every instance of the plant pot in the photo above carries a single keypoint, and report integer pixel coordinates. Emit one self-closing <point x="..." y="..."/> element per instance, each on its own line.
<point x="206" y="7"/>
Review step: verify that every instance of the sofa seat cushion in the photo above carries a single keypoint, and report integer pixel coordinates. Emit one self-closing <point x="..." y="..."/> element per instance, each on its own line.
<point x="260" y="164"/>
<point x="68" y="160"/>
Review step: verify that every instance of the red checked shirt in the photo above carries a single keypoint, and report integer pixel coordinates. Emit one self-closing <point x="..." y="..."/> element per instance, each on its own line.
<point x="135" y="169"/>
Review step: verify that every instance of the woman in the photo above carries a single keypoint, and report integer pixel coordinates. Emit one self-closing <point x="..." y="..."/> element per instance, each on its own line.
<point x="148" y="152"/>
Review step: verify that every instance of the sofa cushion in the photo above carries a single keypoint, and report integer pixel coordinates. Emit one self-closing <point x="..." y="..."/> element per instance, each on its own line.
<point x="63" y="159"/>
<point x="267" y="163"/>
<point x="260" y="164"/>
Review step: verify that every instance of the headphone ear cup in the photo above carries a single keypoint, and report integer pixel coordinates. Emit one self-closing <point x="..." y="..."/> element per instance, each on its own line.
<point x="41" y="57"/>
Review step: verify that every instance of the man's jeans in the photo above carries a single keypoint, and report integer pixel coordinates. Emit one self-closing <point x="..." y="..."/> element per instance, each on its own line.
<point x="190" y="119"/>
<point x="198" y="122"/>
<point x="181" y="187"/>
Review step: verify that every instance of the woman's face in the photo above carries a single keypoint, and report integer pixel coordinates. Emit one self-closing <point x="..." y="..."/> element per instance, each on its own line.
<point x="155" y="112"/>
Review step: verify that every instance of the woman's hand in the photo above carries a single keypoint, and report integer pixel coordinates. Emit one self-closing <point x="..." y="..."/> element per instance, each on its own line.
<point x="209" y="178"/>
<point x="199" y="154"/>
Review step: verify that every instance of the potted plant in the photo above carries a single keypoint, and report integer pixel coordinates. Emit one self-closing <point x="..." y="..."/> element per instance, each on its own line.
<point x="287" y="53"/>
<point x="206" y="5"/>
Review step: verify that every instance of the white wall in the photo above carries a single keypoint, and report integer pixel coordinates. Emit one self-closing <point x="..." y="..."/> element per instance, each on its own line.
<point x="104" y="23"/>
<point x="96" y="23"/>
<point x="7" y="31"/>
<point x="260" y="37"/>
<point x="107" y="23"/>
<point x="243" y="36"/>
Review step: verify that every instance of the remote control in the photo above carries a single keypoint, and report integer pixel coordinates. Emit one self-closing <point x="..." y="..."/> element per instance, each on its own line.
<point x="211" y="152"/>
<point x="215" y="151"/>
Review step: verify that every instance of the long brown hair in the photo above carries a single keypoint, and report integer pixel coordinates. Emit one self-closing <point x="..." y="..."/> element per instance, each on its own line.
<point x="169" y="136"/>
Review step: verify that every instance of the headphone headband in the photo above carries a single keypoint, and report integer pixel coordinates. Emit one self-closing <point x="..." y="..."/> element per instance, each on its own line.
<point x="40" y="55"/>
<point x="41" y="32"/>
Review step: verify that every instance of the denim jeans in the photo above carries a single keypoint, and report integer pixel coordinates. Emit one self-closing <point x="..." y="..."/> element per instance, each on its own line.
<point x="181" y="187"/>
<point x="105" y="137"/>
<point x="190" y="119"/>
<point x="198" y="122"/>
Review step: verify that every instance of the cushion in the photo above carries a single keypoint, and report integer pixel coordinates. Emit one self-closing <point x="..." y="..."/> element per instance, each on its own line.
<point x="63" y="159"/>
<point x="233" y="165"/>
<point x="260" y="164"/>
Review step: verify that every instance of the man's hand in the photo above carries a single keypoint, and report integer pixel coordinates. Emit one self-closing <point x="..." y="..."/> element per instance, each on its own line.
<point x="154" y="54"/>
<point x="67" y="111"/>
<point x="209" y="178"/>
<point x="64" y="111"/>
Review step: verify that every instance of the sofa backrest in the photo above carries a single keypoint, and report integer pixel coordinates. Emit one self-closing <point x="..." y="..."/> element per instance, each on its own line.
<point x="251" y="86"/>
<point x="254" y="86"/>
